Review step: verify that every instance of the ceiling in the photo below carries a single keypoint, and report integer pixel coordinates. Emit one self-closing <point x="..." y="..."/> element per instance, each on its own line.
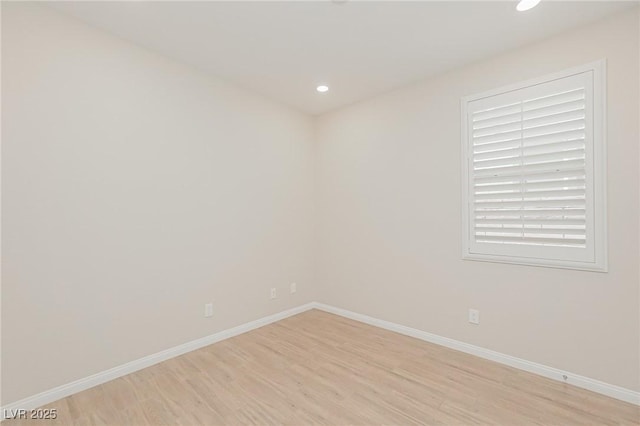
<point x="283" y="50"/>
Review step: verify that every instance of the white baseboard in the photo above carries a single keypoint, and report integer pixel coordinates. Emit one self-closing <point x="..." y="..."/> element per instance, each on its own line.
<point x="68" y="389"/>
<point x="63" y="391"/>
<point x="603" y="388"/>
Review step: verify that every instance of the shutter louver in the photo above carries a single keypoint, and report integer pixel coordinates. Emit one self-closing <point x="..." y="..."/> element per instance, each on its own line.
<point x="528" y="173"/>
<point x="534" y="179"/>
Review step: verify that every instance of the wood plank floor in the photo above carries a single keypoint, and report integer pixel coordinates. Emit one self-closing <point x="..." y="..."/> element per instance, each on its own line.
<point x="318" y="368"/>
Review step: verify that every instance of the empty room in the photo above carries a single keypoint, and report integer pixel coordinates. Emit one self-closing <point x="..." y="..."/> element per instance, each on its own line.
<point x="328" y="212"/>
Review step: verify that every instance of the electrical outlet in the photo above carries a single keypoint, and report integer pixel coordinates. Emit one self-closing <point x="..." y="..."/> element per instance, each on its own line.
<point x="273" y="293"/>
<point x="208" y="310"/>
<point x="294" y="288"/>
<point x="474" y="316"/>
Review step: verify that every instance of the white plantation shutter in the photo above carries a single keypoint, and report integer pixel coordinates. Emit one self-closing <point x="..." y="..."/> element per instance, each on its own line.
<point x="530" y="173"/>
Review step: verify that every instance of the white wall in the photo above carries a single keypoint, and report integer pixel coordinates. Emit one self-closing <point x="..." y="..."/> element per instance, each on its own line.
<point x="389" y="196"/>
<point x="135" y="190"/>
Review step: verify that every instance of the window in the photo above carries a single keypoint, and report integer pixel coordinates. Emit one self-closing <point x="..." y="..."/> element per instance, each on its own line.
<point x="534" y="172"/>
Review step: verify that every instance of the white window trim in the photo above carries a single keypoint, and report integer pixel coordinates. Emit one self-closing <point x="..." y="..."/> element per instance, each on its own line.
<point x="600" y="173"/>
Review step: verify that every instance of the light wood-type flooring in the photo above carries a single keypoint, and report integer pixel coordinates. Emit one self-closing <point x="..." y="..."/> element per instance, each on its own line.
<point x="318" y="368"/>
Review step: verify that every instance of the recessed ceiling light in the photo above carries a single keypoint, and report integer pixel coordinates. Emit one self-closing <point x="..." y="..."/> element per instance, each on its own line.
<point x="526" y="5"/>
<point x="322" y="88"/>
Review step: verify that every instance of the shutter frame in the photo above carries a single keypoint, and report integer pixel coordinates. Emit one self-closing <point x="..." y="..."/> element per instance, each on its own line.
<point x="593" y="256"/>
